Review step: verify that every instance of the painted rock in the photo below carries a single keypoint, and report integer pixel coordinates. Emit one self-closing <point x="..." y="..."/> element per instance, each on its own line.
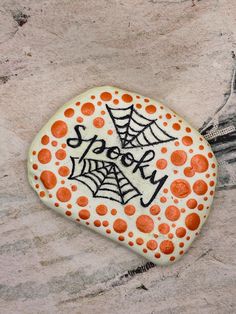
<point x="127" y="167"/>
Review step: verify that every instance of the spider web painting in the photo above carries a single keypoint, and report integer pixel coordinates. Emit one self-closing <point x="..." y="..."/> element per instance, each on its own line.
<point x="104" y="179"/>
<point x="135" y="130"/>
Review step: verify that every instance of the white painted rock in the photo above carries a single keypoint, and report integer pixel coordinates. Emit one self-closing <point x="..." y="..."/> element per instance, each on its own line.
<point x="127" y="167"/>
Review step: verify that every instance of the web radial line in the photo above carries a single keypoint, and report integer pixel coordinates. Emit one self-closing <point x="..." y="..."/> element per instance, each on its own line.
<point x="127" y="129"/>
<point x="155" y="134"/>
<point x="172" y="137"/>
<point x="146" y="139"/>
<point x="134" y="188"/>
<point x="141" y="131"/>
<point x="114" y="122"/>
<point x="98" y="187"/>
<point x="118" y="184"/>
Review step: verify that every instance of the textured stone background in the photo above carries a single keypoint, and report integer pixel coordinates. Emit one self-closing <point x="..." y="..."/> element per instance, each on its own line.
<point x="52" y="50"/>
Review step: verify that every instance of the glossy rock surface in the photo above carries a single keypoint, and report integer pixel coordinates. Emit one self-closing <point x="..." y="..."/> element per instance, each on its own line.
<point x="127" y="167"/>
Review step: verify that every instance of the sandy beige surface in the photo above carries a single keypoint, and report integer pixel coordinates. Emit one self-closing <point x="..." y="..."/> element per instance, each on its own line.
<point x="50" y="51"/>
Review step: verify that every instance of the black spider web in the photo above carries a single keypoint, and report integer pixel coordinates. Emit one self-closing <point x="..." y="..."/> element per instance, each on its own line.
<point x="135" y="130"/>
<point x="105" y="180"/>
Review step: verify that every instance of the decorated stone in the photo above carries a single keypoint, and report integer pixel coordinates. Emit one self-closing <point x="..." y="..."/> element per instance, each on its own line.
<point x="127" y="167"/>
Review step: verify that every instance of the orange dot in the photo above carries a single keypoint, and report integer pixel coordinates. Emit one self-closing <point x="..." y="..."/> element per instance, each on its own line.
<point x="164" y="150"/>
<point x="164" y="228"/>
<point x="34" y="152"/>
<point x="45" y="140"/>
<point x="87" y="109"/>
<point x="161" y="163"/>
<point x="105" y="96"/>
<point x="68" y="213"/>
<point x="200" y="207"/>
<point x="79" y="119"/>
<point x="200" y="187"/>
<point x="116" y="101"/>
<point x="127" y="98"/>
<point x="199" y="163"/>
<point x="97" y="223"/>
<point x="210" y="155"/>
<point x="139" y="241"/>
<point x="54" y="143"/>
<point x="188" y="130"/>
<point x="74" y="188"/>
<point x="129" y="210"/>
<point x="192" y="221"/>
<point x="163" y="199"/>
<point x="42" y="194"/>
<point x="151" y="109"/>
<point x="157" y="255"/>
<point x="180" y="188"/>
<point x="187" y="140"/>
<point x="84" y="214"/>
<point x="121" y="238"/>
<point x="172" y="213"/>
<point x="35" y="166"/>
<point x="167" y="247"/>
<point x="178" y="157"/>
<point x="82" y="201"/>
<point x="192" y="203"/>
<point x="63" y="171"/>
<point x="176" y="126"/>
<point x="139" y="106"/>
<point x="109" y="132"/>
<point x="212" y="183"/>
<point x="69" y="112"/>
<point x="155" y="210"/>
<point x="152" y="245"/>
<point x="145" y="223"/>
<point x="180" y="232"/>
<point x="105" y="223"/>
<point x="189" y="172"/>
<point x="44" y="156"/>
<point x="98" y="122"/>
<point x="59" y="129"/>
<point x="113" y="211"/>
<point x="60" y="154"/>
<point x="101" y="210"/>
<point x="120" y="225"/>
<point x="168" y="116"/>
<point x="63" y="194"/>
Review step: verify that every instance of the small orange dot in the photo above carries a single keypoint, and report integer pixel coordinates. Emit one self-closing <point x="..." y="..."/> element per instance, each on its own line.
<point x="176" y="126"/>
<point x="127" y="98"/>
<point x="69" y="112"/>
<point x="101" y="210"/>
<point x="105" y="96"/>
<point x="151" y="109"/>
<point x="80" y="119"/>
<point x="45" y="140"/>
<point x="87" y="109"/>
<point x="63" y="171"/>
<point x="82" y="201"/>
<point x="98" y="122"/>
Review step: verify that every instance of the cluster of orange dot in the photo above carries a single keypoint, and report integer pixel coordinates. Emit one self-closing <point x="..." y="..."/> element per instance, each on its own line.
<point x="180" y="188"/>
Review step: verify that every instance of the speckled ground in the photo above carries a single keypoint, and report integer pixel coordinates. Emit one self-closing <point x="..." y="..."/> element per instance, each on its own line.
<point x="51" y="51"/>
